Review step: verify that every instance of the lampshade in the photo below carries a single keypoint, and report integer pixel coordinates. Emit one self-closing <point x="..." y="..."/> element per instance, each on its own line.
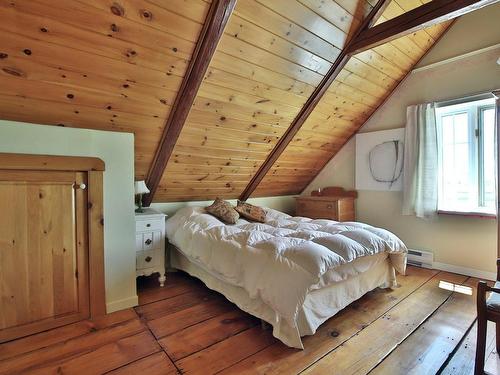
<point x="140" y="187"/>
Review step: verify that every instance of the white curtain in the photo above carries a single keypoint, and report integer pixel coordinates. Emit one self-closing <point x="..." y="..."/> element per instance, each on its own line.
<point x="420" y="168"/>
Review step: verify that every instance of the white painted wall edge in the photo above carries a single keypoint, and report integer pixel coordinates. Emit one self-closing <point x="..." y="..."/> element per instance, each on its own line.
<point x="456" y="58"/>
<point x="122" y="304"/>
<point x="484" y="275"/>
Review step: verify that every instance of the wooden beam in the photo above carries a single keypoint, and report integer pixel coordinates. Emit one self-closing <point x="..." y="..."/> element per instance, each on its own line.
<point x="217" y="18"/>
<point x="426" y="15"/>
<point x="311" y="103"/>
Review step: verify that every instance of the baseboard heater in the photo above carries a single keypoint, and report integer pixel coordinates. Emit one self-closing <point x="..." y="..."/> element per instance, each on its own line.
<point x="420" y="258"/>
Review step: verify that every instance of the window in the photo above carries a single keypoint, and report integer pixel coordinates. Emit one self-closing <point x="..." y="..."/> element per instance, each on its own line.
<point x="467" y="157"/>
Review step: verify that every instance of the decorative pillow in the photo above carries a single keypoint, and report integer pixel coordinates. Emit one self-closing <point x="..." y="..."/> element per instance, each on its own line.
<point x="251" y="212"/>
<point x="223" y="210"/>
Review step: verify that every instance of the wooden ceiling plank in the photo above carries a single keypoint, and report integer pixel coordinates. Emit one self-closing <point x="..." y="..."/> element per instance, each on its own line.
<point x="279" y="25"/>
<point x="264" y="59"/>
<point x="306" y="18"/>
<point x="213" y="29"/>
<point x="255" y="35"/>
<point x="68" y="35"/>
<point x="311" y="103"/>
<point x="426" y="15"/>
<point x="98" y="22"/>
<point x="248" y="70"/>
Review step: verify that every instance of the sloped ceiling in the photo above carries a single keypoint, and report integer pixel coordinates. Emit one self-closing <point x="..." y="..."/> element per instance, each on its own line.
<point x="118" y="65"/>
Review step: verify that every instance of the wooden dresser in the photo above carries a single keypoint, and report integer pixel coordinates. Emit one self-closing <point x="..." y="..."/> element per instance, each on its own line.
<point x="329" y="203"/>
<point x="150" y="244"/>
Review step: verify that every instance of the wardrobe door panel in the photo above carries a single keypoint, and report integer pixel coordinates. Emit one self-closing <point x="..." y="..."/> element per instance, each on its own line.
<point x="43" y="250"/>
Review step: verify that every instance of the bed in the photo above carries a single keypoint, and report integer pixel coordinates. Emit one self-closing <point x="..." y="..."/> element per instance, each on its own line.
<point x="292" y="272"/>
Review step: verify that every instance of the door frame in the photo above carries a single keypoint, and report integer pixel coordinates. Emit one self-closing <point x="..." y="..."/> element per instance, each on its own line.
<point x="94" y="167"/>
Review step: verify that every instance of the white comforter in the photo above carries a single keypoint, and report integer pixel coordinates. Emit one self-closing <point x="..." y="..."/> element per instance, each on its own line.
<point x="281" y="260"/>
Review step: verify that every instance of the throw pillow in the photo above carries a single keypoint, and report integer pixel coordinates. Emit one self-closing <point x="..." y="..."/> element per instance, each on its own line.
<point x="223" y="211"/>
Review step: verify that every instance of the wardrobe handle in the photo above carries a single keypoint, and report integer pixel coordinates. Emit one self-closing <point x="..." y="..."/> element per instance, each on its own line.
<point x="148" y="259"/>
<point x="148" y="241"/>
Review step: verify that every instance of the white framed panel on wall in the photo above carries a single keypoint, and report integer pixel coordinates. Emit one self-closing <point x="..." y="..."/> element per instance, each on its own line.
<point x="379" y="160"/>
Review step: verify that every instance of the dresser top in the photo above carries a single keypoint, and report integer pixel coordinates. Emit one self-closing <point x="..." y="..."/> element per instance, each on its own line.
<point x="323" y="198"/>
<point x="149" y="213"/>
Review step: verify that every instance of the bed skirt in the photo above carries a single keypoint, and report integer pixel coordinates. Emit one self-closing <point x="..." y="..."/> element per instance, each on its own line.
<point x="319" y="305"/>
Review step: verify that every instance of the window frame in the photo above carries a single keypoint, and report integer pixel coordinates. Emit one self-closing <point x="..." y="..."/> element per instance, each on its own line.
<point x="475" y="111"/>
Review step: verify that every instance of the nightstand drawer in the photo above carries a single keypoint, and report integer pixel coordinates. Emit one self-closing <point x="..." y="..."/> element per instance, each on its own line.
<point x="148" y="258"/>
<point x="149" y="225"/>
<point x="148" y="241"/>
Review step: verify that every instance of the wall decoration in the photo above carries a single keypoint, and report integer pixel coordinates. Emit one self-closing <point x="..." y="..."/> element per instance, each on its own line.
<point x="379" y="160"/>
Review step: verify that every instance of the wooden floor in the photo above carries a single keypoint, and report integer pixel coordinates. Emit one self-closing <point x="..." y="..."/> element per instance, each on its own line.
<point x="418" y="328"/>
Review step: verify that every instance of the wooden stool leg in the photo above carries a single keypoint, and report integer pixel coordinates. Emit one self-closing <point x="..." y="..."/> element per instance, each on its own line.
<point x="480" y="347"/>
<point x="497" y="324"/>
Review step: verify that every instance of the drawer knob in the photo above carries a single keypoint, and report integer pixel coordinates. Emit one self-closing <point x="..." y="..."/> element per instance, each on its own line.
<point x="148" y="259"/>
<point x="148" y="241"/>
<point x="148" y="225"/>
<point x="329" y="206"/>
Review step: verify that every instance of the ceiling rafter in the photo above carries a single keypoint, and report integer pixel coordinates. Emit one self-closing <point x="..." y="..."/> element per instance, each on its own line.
<point x="366" y="37"/>
<point x="213" y="29"/>
<point x="424" y="16"/>
<point x="312" y="101"/>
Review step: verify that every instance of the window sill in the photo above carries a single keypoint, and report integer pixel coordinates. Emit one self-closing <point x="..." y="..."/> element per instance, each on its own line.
<point x="480" y="215"/>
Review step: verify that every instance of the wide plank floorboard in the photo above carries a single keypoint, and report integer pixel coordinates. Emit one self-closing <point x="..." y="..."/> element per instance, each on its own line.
<point x="462" y="362"/>
<point x="430" y="345"/>
<point x="363" y="352"/>
<point x="185" y="328"/>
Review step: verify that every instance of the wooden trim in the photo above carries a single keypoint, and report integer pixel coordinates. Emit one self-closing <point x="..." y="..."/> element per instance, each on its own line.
<point x="426" y="15"/>
<point x="96" y="244"/>
<point x="50" y="162"/>
<point x="476" y="215"/>
<point x="311" y="103"/>
<point x="213" y="29"/>
<point x="388" y="96"/>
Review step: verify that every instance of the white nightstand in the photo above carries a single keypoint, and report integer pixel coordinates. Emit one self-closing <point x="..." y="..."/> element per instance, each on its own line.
<point x="150" y="243"/>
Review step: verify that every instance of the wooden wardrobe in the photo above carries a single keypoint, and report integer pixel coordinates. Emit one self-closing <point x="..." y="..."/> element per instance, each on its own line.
<point x="51" y="242"/>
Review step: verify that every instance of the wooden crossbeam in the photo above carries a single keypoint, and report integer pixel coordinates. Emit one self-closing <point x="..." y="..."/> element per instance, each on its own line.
<point x="426" y="15"/>
<point x="213" y="29"/>
<point x="311" y="103"/>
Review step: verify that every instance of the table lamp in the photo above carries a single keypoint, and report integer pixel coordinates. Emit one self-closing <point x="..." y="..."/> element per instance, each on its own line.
<point x="140" y="189"/>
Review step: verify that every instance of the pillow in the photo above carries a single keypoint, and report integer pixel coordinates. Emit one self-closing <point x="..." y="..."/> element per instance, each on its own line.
<point x="251" y="212"/>
<point x="223" y="211"/>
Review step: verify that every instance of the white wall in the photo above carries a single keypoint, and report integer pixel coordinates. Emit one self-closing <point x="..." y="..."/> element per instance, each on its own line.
<point x="458" y="241"/>
<point x="117" y="151"/>
<point x="284" y="204"/>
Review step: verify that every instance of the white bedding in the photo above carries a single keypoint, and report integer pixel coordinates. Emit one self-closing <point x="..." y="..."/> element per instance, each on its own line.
<point x="281" y="261"/>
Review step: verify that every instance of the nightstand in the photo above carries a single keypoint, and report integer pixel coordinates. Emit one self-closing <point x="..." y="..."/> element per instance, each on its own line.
<point x="329" y="203"/>
<point x="150" y="243"/>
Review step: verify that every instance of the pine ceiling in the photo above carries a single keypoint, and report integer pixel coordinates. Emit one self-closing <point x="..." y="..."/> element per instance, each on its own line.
<point x="118" y="65"/>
